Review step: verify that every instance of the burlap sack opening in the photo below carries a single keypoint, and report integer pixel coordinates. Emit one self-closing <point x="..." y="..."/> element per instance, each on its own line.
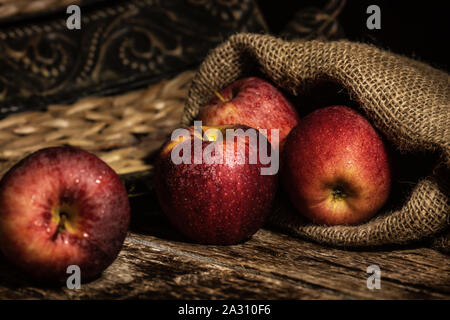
<point x="408" y="101"/>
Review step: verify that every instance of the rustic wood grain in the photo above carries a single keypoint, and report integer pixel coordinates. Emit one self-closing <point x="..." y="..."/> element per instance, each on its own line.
<point x="153" y="272"/>
<point x="157" y="263"/>
<point x="414" y="273"/>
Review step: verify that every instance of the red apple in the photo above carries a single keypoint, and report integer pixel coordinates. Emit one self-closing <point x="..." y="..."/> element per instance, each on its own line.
<point x="215" y="203"/>
<point x="255" y="103"/>
<point x="62" y="206"/>
<point x="336" y="167"/>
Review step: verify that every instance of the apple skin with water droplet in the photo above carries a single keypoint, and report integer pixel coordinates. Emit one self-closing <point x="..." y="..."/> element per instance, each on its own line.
<point x="336" y="167"/>
<point x="215" y="203"/>
<point x="253" y="102"/>
<point x="62" y="206"/>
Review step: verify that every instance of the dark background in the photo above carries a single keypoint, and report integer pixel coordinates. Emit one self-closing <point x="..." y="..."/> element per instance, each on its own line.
<point x="418" y="29"/>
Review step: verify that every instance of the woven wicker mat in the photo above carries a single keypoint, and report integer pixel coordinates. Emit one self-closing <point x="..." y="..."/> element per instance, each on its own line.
<point x="122" y="130"/>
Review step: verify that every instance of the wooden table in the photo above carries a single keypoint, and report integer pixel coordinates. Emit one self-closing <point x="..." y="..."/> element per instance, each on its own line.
<point x="157" y="263"/>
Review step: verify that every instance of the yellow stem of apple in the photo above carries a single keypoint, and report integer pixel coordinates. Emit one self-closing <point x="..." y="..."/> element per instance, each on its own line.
<point x="62" y="222"/>
<point x="64" y="215"/>
<point x="221" y="98"/>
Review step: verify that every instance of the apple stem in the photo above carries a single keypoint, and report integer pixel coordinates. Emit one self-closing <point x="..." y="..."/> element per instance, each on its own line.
<point x="339" y="193"/>
<point x="62" y="223"/>
<point x="221" y="98"/>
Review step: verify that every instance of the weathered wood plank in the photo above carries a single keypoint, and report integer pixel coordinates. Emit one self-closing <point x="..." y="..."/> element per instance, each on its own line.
<point x="412" y="273"/>
<point x="155" y="272"/>
<point x="157" y="263"/>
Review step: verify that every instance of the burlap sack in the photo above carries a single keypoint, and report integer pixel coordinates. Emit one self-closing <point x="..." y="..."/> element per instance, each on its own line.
<point x="408" y="101"/>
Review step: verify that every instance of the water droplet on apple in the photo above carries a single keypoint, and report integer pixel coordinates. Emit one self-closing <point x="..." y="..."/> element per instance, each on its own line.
<point x="97" y="181"/>
<point x="85" y="235"/>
